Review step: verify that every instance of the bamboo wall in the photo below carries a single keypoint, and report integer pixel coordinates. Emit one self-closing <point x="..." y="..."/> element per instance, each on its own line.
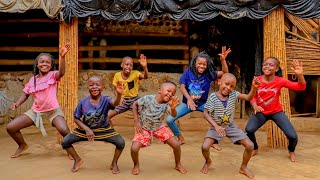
<point x="68" y="87"/>
<point x="274" y="44"/>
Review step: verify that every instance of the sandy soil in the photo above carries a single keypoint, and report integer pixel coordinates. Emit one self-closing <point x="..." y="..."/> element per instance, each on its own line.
<point x="45" y="159"/>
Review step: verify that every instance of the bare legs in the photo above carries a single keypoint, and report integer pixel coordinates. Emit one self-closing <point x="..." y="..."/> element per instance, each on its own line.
<point x="173" y="142"/>
<point x="246" y="156"/>
<point x="13" y="129"/>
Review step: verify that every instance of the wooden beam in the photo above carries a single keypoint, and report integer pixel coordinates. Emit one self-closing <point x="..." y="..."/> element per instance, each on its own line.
<point x="118" y="60"/>
<point x="96" y="48"/>
<point x="318" y="99"/>
<point x="29" y="49"/>
<point x="97" y="60"/>
<point x="31" y="35"/>
<point x="135" y="34"/>
<point x="134" y="47"/>
<point x="36" y="20"/>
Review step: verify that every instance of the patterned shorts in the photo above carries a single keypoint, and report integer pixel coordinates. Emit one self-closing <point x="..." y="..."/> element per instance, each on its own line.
<point x="126" y="105"/>
<point x="163" y="134"/>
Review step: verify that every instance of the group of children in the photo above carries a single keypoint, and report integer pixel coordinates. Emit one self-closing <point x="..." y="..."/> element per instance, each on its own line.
<point x="93" y="113"/>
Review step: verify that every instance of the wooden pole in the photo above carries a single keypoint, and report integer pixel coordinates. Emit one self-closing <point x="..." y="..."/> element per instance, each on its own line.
<point x="68" y="87"/>
<point x="274" y="45"/>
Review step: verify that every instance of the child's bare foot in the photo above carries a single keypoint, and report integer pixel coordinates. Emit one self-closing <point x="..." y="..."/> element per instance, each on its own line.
<point x="216" y="147"/>
<point x="254" y="152"/>
<point x="20" y="149"/>
<point x="293" y="157"/>
<point x="77" y="165"/>
<point x="245" y="171"/>
<point x="135" y="170"/>
<point x="206" y="166"/>
<point x="181" y="169"/>
<point x="114" y="168"/>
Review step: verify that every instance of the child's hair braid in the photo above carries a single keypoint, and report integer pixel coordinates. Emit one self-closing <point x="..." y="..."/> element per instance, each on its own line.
<point x="210" y="65"/>
<point x="35" y="65"/>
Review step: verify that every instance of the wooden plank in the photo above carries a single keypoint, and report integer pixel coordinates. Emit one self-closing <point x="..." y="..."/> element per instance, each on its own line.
<point x="297" y="35"/>
<point x="31" y="35"/>
<point x="118" y="60"/>
<point x="134" y="47"/>
<point x="98" y="60"/>
<point x="29" y="49"/>
<point x="36" y="20"/>
<point x="97" y="48"/>
<point x="135" y="34"/>
<point x="318" y="99"/>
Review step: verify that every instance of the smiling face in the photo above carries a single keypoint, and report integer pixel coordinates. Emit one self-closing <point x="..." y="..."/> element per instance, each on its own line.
<point x="127" y="65"/>
<point x="44" y="64"/>
<point x="201" y="64"/>
<point x="167" y="91"/>
<point x="227" y="83"/>
<point x="270" y="67"/>
<point x="95" y="86"/>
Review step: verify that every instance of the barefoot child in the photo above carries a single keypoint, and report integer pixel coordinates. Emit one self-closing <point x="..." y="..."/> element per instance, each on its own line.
<point x="130" y="79"/>
<point x="219" y="111"/>
<point x="267" y="106"/>
<point x="195" y="86"/>
<point x="43" y="87"/>
<point x="149" y="113"/>
<point x="91" y="117"/>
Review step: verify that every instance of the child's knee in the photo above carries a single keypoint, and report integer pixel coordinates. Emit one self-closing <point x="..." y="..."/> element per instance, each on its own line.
<point x="249" y="145"/>
<point x="120" y="143"/>
<point x="10" y="128"/>
<point x="205" y="147"/>
<point x="65" y="143"/>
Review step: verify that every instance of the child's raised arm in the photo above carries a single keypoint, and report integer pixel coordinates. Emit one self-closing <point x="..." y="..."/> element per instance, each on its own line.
<point x="119" y="90"/>
<point x="223" y="55"/>
<point x="21" y="100"/>
<point x="298" y="70"/>
<point x="255" y="85"/>
<point x="62" y="64"/>
<point x="143" y="63"/>
<point x="173" y="103"/>
<point x="221" y="131"/>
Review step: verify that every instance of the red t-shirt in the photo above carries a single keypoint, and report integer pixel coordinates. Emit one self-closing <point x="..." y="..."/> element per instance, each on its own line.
<point x="268" y="93"/>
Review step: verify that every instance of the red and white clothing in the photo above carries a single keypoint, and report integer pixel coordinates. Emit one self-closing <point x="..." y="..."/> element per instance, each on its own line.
<point x="268" y="93"/>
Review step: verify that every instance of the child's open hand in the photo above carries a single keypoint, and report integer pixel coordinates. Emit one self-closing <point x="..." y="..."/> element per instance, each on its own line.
<point x="138" y="127"/>
<point x="221" y="130"/>
<point x="119" y="87"/>
<point x="64" y="50"/>
<point x="258" y="109"/>
<point x="255" y="82"/>
<point x="224" y="53"/>
<point x="174" y="102"/>
<point x="297" y="67"/>
<point x="90" y="135"/>
<point x="191" y="104"/>
<point x="14" y="106"/>
<point x="143" y="60"/>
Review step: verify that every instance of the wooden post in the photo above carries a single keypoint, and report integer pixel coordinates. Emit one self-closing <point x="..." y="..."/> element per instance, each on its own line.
<point x="68" y="87"/>
<point x="274" y="44"/>
<point x="318" y="99"/>
<point x="186" y="53"/>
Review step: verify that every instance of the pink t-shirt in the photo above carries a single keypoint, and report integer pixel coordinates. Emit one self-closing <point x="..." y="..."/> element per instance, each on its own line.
<point x="268" y="94"/>
<point x="45" y="93"/>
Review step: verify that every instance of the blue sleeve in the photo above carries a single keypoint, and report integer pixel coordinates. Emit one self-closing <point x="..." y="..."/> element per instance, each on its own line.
<point x="78" y="111"/>
<point x="184" y="77"/>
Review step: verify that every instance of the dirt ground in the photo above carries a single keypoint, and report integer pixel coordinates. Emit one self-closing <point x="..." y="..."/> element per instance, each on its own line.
<point x="45" y="159"/>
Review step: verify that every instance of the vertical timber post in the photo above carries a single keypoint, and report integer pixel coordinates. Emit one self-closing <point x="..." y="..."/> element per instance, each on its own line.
<point x="68" y="87"/>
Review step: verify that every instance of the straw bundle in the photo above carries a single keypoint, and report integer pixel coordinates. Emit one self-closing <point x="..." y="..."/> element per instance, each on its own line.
<point x="68" y="87"/>
<point x="274" y="45"/>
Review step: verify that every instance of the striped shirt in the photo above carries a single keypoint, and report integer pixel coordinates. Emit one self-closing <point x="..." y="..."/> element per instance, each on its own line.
<point x="220" y="114"/>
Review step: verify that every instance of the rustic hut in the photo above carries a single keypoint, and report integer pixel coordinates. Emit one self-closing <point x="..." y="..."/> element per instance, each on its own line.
<point x="289" y="29"/>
